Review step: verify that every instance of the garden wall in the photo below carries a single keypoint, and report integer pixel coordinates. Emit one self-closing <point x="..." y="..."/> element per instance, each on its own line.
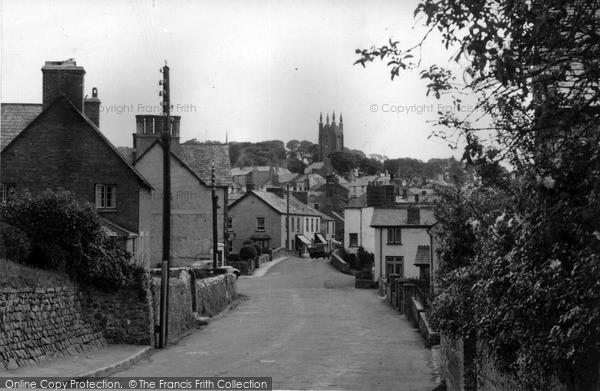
<point x="191" y="298"/>
<point x="37" y="324"/>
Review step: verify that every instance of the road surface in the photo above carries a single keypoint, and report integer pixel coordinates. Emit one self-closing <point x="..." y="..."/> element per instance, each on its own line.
<point x="304" y="325"/>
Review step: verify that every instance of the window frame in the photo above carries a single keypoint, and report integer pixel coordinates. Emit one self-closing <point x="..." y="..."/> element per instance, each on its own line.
<point x="353" y="243"/>
<point x="394" y="261"/>
<point x="396" y="235"/>
<point x="258" y="224"/>
<point x="102" y="194"/>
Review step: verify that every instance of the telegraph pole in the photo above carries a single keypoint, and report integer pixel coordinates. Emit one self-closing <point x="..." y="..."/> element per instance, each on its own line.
<point x="166" y="238"/>
<point x="287" y="218"/>
<point x="215" y="198"/>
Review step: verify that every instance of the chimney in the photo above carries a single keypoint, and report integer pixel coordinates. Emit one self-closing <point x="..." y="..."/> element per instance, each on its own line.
<point x="91" y="107"/>
<point x="148" y="129"/>
<point x="63" y="77"/>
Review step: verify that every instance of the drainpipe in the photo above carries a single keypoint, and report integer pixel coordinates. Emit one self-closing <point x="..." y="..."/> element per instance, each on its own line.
<point x="380" y="253"/>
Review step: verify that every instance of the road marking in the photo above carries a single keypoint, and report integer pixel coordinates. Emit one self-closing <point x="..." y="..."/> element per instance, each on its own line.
<point x="200" y="353"/>
<point x="268" y="361"/>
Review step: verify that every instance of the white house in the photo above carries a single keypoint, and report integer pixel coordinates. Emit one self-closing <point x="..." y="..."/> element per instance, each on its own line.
<point x="357" y="226"/>
<point x="402" y="241"/>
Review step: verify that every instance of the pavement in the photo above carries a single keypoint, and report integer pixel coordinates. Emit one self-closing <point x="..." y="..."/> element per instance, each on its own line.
<point x="105" y="361"/>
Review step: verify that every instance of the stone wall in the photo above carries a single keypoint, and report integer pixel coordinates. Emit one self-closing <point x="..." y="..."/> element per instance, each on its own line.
<point x="123" y="316"/>
<point x="283" y="252"/>
<point x="191" y="298"/>
<point x="457" y="364"/>
<point x="43" y="323"/>
<point x="339" y="263"/>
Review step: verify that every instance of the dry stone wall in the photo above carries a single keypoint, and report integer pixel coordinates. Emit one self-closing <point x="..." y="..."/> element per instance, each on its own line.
<point x="37" y="324"/>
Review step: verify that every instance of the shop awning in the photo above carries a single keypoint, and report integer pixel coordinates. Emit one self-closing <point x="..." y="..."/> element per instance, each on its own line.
<point x="319" y="238"/>
<point x="303" y="239"/>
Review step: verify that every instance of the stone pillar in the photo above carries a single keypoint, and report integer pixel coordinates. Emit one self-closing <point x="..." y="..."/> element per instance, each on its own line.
<point x="408" y="291"/>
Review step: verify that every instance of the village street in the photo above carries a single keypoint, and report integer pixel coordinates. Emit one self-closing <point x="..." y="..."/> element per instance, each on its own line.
<point x="304" y="325"/>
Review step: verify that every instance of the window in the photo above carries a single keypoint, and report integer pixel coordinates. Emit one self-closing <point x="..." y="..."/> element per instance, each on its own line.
<point x="312" y="227"/>
<point x="260" y="223"/>
<point x="394" y="236"/>
<point x="291" y="223"/>
<point x="298" y="224"/>
<point x="394" y="265"/>
<point x="230" y="224"/>
<point x="106" y="196"/>
<point x="5" y="189"/>
<point x="317" y="206"/>
<point x="353" y="240"/>
<point x="307" y="224"/>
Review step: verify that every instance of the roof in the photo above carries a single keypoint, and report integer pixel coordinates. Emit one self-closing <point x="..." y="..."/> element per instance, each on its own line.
<point x="114" y="229"/>
<point x="86" y="120"/>
<point x="314" y="166"/>
<point x="200" y="157"/>
<point x="362" y="181"/>
<point x="280" y="204"/>
<point x="358" y="202"/>
<point x="422" y="257"/>
<point x="15" y="117"/>
<point x="285" y="178"/>
<point x="127" y="153"/>
<point x="324" y="216"/>
<point x="337" y="215"/>
<point x="398" y="217"/>
<point x="246" y="170"/>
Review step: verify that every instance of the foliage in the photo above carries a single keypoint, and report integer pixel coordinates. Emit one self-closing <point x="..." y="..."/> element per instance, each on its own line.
<point x="295" y="166"/>
<point x="15" y="245"/>
<point x="233" y="257"/>
<point x="258" y="248"/>
<point x="303" y="151"/>
<point x="343" y="161"/>
<point x="247" y="252"/>
<point x="262" y="153"/>
<point x="247" y="242"/>
<point x="527" y="281"/>
<point x="369" y="166"/>
<point x="364" y="259"/>
<point x="66" y="235"/>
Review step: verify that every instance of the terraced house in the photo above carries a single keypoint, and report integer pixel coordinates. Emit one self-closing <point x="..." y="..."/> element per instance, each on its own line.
<point x="261" y="216"/>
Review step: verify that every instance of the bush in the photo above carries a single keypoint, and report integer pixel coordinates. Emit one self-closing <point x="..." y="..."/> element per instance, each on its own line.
<point x="248" y="242"/>
<point x="15" y="245"/>
<point x="247" y="252"/>
<point x="233" y="257"/>
<point x="364" y="259"/>
<point x="258" y="249"/>
<point x="66" y="235"/>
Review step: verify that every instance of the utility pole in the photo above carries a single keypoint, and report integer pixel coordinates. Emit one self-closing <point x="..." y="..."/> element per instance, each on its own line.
<point x="215" y="199"/>
<point x="287" y="218"/>
<point x="166" y="239"/>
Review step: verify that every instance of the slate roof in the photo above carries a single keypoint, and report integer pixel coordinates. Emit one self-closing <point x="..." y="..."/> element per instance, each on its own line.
<point x="200" y="157"/>
<point x="422" y="257"/>
<point x="127" y="153"/>
<point x="324" y="216"/>
<point x="246" y="170"/>
<point x="280" y="204"/>
<point x="15" y="117"/>
<point x="95" y="129"/>
<point x="398" y="217"/>
<point x="285" y="178"/>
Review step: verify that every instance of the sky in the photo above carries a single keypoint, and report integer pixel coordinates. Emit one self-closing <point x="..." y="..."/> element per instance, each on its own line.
<point x="246" y="70"/>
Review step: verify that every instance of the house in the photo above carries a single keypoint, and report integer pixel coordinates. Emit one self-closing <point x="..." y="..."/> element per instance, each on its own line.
<point x="260" y="177"/>
<point x="327" y="234"/>
<point x="58" y="145"/>
<point x="402" y="241"/>
<point x="261" y="216"/>
<point x="357" y="225"/>
<point x="191" y="193"/>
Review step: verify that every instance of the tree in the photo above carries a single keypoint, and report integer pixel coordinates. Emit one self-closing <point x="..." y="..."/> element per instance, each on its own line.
<point x="343" y="161"/>
<point x="532" y="285"/>
<point x="304" y="151"/>
<point x="370" y="166"/>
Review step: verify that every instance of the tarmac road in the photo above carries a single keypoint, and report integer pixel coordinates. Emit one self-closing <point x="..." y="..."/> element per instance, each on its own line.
<point x="304" y="325"/>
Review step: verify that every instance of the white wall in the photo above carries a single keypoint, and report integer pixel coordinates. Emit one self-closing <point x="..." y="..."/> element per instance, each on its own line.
<point x="411" y="239"/>
<point x="359" y="221"/>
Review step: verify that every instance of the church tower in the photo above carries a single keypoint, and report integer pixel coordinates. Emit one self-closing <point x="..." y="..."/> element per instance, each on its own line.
<point x="331" y="136"/>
